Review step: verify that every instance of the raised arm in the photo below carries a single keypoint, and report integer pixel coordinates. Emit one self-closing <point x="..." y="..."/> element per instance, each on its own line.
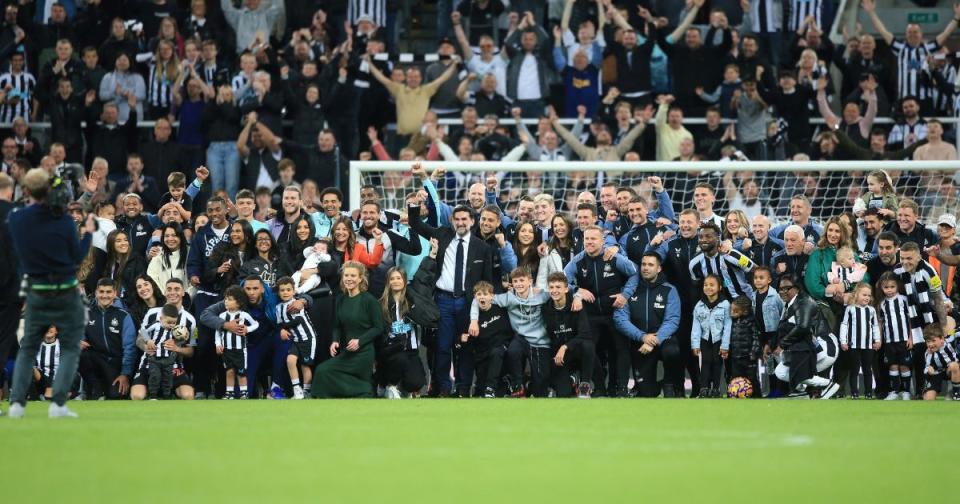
<point x="574" y="143"/>
<point x="245" y="135"/>
<point x="568" y="12"/>
<point x="616" y="18"/>
<point x="822" y="104"/>
<point x="461" y="36"/>
<point x="686" y="22"/>
<point x="870" y="6"/>
<point x="377" y="74"/>
<point x="951" y="26"/>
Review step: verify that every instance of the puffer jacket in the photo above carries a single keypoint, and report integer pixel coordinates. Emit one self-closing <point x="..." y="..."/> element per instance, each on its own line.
<point x="744" y="339"/>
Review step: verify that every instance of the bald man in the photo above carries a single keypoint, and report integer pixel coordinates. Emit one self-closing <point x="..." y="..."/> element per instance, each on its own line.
<point x="761" y="246"/>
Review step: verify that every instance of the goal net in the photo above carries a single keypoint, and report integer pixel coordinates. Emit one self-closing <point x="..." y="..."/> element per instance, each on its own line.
<point x="756" y="187"/>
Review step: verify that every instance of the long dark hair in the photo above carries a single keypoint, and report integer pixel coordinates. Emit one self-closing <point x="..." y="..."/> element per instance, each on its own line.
<point x="138" y="307"/>
<point x="296" y="244"/>
<point x="167" y="252"/>
<point x="249" y="244"/>
<point x="351" y="240"/>
<point x="115" y="259"/>
<point x="273" y="243"/>
<point x="562" y="246"/>
<point x="529" y="258"/>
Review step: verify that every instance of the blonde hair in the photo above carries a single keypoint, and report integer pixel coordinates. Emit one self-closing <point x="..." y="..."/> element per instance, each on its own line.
<point x="402" y="303"/>
<point x="364" y="280"/>
<point x="845" y="250"/>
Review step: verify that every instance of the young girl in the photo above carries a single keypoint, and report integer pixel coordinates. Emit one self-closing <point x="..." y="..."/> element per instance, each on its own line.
<point x="860" y="335"/>
<point x="710" y="339"/>
<point x="737" y="230"/>
<point x="405" y="314"/>
<point x="897" y="339"/>
<point x="880" y="195"/>
<point x="845" y="270"/>
<point x="231" y="346"/>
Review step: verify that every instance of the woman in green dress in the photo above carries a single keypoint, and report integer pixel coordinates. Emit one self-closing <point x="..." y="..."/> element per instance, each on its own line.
<point x="357" y="324"/>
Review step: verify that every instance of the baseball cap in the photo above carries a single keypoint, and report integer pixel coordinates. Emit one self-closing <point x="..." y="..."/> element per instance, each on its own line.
<point x="446" y="40"/>
<point x="947" y="220"/>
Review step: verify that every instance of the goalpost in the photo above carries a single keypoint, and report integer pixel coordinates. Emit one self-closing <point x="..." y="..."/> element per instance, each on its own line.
<point x="832" y="186"/>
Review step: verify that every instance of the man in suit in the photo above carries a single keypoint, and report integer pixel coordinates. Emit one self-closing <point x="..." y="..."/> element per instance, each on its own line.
<point x="464" y="260"/>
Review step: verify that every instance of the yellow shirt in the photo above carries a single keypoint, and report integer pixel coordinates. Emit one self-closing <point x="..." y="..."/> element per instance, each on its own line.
<point x="412" y="105"/>
<point x="668" y="139"/>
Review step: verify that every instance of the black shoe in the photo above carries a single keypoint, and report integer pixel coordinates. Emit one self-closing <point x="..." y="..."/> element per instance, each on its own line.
<point x="669" y="391"/>
<point x="704" y="393"/>
<point x="868" y="396"/>
<point x="855" y="396"/>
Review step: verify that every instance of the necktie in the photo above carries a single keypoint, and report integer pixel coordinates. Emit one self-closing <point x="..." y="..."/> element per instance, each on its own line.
<point x="762" y="16"/>
<point x="458" y="270"/>
<point x="630" y="60"/>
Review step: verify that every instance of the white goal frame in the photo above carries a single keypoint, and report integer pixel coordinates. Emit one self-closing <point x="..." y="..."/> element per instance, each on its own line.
<point x="357" y="168"/>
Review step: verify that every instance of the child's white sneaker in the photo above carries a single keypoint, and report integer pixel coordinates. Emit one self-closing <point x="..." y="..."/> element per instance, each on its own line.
<point x="892" y="396"/>
<point x="905" y="395"/>
<point x="298" y="392"/>
<point x="392" y="392"/>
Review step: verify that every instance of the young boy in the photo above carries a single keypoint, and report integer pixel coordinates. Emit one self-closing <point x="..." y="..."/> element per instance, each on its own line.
<point x="767" y="309"/>
<point x="941" y="362"/>
<point x="744" y="343"/>
<point x="177" y="185"/>
<point x="48" y="360"/>
<point x="533" y="342"/>
<point x="494" y="334"/>
<point x="233" y="347"/>
<point x="571" y="340"/>
<point x="246" y="206"/>
<point x="161" y="361"/>
<point x="298" y="328"/>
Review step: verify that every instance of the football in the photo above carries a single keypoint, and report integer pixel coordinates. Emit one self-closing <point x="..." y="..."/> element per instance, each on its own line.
<point x="740" y="388"/>
<point x="181" y="335"/>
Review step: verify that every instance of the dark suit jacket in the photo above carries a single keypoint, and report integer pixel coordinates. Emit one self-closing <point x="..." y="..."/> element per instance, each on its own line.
<point x="479" y="255"/>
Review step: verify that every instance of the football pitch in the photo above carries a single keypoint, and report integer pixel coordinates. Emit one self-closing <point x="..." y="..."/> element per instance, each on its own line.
<point x="499" y="450"/>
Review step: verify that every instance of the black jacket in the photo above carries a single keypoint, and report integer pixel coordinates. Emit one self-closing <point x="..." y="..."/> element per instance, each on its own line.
<point x="479" y="255"/>
<point x="225" y="251"/>
<point x="808" y="323"/>
<point x="162" y="158"/>
<point x="563" y="325"/>
<point x="744" y="340"/>
<point x="66" y="117"/>
<point x="221" y="122"/>
<point x="112" y="143"/>
<point x="423" y="307"/>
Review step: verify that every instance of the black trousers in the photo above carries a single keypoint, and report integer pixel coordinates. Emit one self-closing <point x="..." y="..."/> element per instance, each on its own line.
<point x="579" y="358"/>
<point x="710" y="364"/>
<point x="9" y="321"/>
<point x="489" y="364"/>
<point x="645" y="367"/>
<point x="160" y="376"/>
<point x="518" y="353"/>
<point x="613" y="354"/>
<point x="919" y="363"/>
<point x="98" y="372"/>
<point x="687" y="360"/>
<point x="203" y="364"/>
<point x="403" y="369"/>
<point x="861" y="360"/>
<point x="842" y="370"/>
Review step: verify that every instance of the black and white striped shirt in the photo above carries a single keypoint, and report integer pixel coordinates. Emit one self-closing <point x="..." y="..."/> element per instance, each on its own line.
<point x="731" y="268"/>
<point x="159" y="335"/>
<point x="239" y="83"/>
<point x="800" y="9"/>
<point x="896" y="319"/>
<point x="230" y="341"/>
<point x="905" y="135"/>
<point x="159" y="89"/>
<point x="919" y="288"/>
<point x="297" y="324"/>
<point x="21" y="91"/>
<point x="375" y="9"/>
<point x="940" y="359"/>
<point x="48" y="359"/>
<point x="910" y="62"/>
<point x="859" y="328"/>
<point x="153" y="317"/>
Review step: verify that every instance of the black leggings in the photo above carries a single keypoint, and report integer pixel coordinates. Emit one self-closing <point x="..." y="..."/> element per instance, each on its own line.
<point x="710" y="364"/>
<point x="404" y="369"/>
<point x="861" y="360"/>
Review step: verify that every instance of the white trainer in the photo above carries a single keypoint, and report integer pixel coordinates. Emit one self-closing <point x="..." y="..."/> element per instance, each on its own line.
<point x="392" y="392"/>
<point x="297" y="392"/>
<point x="905" y="395"/>
<point x="16" y="411"/>
<point x="61" y="411"/>
<point x="892" y="396"/>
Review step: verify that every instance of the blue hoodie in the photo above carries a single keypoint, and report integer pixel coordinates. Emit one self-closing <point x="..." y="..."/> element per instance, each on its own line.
<point x="200" y="248"/>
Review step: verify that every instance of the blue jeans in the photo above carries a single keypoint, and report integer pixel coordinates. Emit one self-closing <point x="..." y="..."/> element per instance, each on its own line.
<point x="444" y="9"/>
<point x="223" y="160"/>
<point x="452" y="313"/>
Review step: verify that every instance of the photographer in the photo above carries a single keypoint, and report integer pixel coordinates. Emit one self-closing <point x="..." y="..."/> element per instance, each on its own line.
<point x="49" y="250"/>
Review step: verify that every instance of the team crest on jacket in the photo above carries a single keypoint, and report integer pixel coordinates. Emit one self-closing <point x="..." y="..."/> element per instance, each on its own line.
<point x="583" y="271"/>
<point x="607" y="268"/>
<point x="659" y="298"/>
<point x="114" y="322"/>
<point x="636" y="237"/>
<point x="677" y="250"/>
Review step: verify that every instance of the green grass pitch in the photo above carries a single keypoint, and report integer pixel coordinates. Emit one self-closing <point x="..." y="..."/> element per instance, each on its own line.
<point x="483" y="451"/>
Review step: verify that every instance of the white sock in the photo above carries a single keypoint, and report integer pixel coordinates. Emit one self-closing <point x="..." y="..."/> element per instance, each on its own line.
<point x="295" y="383"/>
<point x="243" y="389"/>
<point x="306" y="386"/>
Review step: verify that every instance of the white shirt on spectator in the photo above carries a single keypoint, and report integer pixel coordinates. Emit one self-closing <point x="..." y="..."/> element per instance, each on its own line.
<point x="528" y="82"/>
<point x="449" y="271"/>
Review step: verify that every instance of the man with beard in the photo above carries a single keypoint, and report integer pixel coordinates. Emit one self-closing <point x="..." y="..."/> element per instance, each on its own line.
<point x="504" y="257"/>
<point x="731" y="265"/>
<point x="392" y="242"/>
<point x="137" y="224"/>
<point x="870" y="228"/>
<point x="800" y="346"/>
<point x="792" y="260"/>
<point x="207" y="238"/>
<point x="604" y="284"/>
<point x="926" y="301"/>
<point x="676" y="252"/>
<point x="762" y="247"/>
<point x="464" y="260"/>
<point x="650" y="319"/>
<point x="911" y="128"/>
<point x="908" y="229"/>
<point x="887" y="257"/>
<point x="279" y="225"/>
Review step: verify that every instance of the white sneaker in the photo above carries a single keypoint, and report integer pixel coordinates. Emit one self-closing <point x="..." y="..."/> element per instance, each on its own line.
<point x="892" y="396"/>
<point x="60" y="411"/>
<point x="392" y="392"/>
<point x="905" y="396"/>
<point x="829" y="390"/>
<point x="297" y="392"/>
<point x="16" y="411"/>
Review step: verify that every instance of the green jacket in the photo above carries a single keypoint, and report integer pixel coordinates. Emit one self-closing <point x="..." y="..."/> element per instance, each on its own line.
<point x="818" y="266"/>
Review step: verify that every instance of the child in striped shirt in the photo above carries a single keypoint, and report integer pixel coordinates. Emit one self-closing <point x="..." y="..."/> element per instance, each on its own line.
<point x="845" y="270"/>
<point x="233" y="347"/>
<point x="298" y="329"/>
<point x="860" y="335"/>
<point x="897" y="338"/>
<point x="48" y="360"/>
<point x="941" y="362"/>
